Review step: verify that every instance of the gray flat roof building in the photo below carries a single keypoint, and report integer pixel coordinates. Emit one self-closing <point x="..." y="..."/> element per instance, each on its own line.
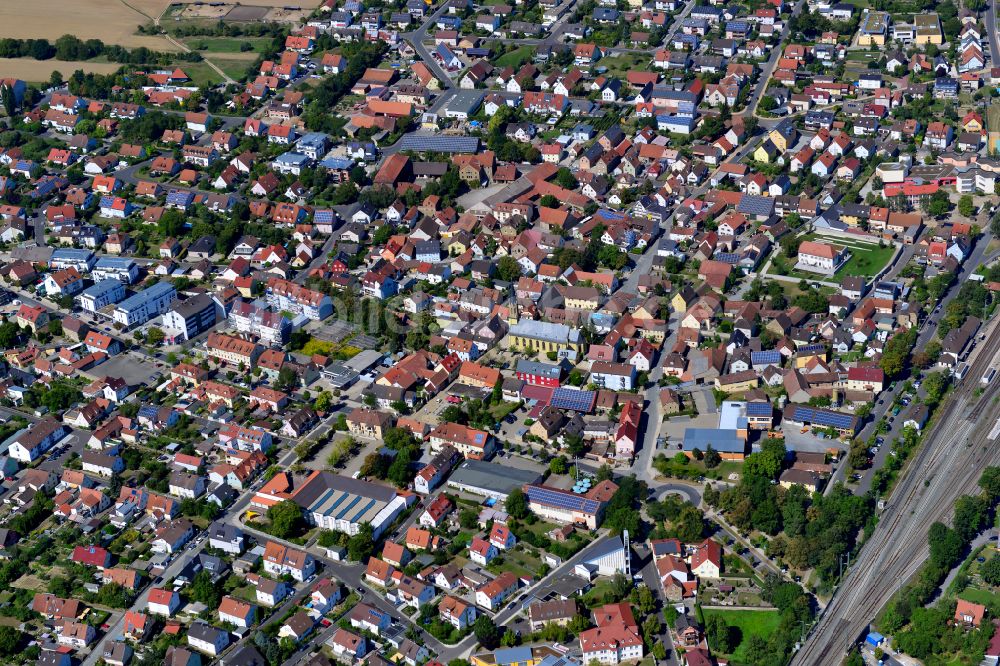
<point x="364" y="360"/>
<point x="464" y="103"/>
<point x="723" y="441"/>
<point x="487" y="479"/>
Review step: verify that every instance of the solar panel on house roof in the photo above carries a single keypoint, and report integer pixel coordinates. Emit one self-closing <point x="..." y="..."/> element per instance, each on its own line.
<point x="567" y="398"/>
<point x="758" y="409"/>
<point x="823" y="417"/>
<point x="727" y="257"/>
<point x="755" y="204"/>
<point x="440" y="144"/>
<point x="323" y="216"/>
<point x="561" y="499"/>
<point x="769" y="356"/>
<point x="812" y="349"/>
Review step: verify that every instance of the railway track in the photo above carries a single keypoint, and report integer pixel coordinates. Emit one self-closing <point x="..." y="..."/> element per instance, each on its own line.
<point x="946" y="466"/>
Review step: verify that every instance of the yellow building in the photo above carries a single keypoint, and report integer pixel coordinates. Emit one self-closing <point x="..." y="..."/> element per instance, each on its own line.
<point x="783" y="136"/>
<point x="541" y="336"/>
<point x="581" y="298"/>
<point x="683" y="299"/>
<point x="766" y="152"/>
<point x="738" y="382"/>
<point x="873" y="28"/>
<point x="927" y="29"/>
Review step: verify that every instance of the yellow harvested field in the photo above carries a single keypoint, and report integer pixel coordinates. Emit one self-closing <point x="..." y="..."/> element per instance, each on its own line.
<point x="305" y="4"/>
<point x="111" y="21"/>
<point x="40" y="70"/>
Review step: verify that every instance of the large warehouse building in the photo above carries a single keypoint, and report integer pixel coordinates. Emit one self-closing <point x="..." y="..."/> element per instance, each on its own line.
<point x="335" y="502"/>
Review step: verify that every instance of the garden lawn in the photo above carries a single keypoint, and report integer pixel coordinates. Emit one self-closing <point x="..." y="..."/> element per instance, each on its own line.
<point x="980" y="596"/>
<point x="515" y="58"/>
<point x="595" y="595"/>
<point x="501" y="410"/>
<point x="761" y="623"/>
<point x="867" y="260"/>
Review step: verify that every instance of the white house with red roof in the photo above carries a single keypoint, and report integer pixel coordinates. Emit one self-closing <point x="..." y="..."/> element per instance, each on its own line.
<point x="163" y="602"/>
<point x="482" y="552"/>
<point x="502" y="537"/>
<point x="615" y="638"/>
<point x="821" y="257"/>
<point x="865" y="378"/>
<point x="706" y="559"/>
<point x="435" y="514"/>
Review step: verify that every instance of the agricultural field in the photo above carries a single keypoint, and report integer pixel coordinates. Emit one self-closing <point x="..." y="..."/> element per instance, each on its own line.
<point x="38" y="71"/>
<point x="111" y="21"/>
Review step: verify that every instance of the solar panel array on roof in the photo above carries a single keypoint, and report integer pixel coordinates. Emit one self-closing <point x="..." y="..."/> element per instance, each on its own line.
<point x="755" y="204"/>
<point x="578" y="401"/>
<point x="759" y="409"/>
<point x="769" y="356"/>
<point x="727" y="257"/>
<point x="812" y="349"/>
<point x="823" y="417"/>
<point x="323" y="215"/>
<point x="561" y="499"/>
<point x="179" y="197"/>
<point x="440" y="144"/>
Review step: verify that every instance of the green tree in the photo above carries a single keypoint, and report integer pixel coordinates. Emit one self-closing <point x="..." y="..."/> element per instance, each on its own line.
<point x="965" y="206"/>
<point x="939" y="204"/>
<point x="945" y="545"/>
<point x="566" y="179"/>
<point x="991" y="571"/>
<point x="286" y="519"/>
<point x="712" y="458"/>
<point x="558" y="465"/>
<point x="287" y="379"/>
<point x="205" y="591"/>
<point x="575" y="445"/>
<point x="9" y="100"/>
<point x="990" y="483"/>
<point x="517" y="504"/>
<point x="486" y="632"/>
<point x="468" y="519"/>
<point x="155" y="336"/>
<point x="645" y="601"/>
<point x="361" y="546"/>
<point x="720" y="634"/>
<point x="323" y="401"/>
<point x="10" y="640"/>
<point x="508" y="269"/>
<point x="400" y="472"/>
<point x="766" y="463"/>
<point x="9" y="332"/>
<point x="621" y="586"/>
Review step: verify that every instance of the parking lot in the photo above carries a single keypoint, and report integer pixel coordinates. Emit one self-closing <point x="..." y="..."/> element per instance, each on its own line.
<point x="130" y="367"/>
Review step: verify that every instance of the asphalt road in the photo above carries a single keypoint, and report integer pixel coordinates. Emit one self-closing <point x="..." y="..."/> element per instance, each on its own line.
<point x="772" y="61"/>
<point x="416" y="40"/>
